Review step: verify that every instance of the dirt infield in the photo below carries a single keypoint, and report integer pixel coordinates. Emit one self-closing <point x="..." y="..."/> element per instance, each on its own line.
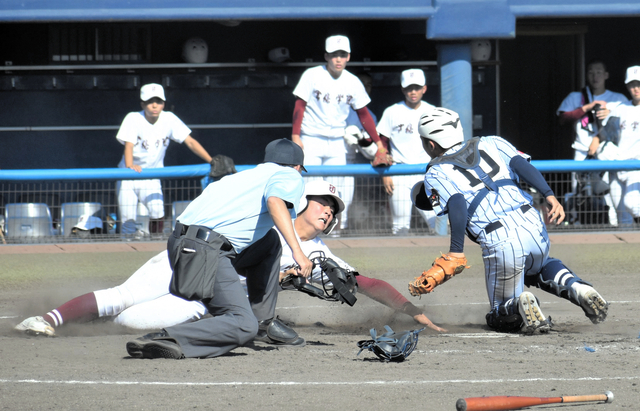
<point x="87" y="366"/>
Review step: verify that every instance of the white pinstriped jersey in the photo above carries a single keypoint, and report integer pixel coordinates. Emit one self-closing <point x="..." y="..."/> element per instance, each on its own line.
<point x="448" y="179"/>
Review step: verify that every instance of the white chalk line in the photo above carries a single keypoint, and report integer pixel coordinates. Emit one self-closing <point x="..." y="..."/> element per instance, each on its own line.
<point x="297" y="307"/>
<point x="314" y="383"/>
<point x="562" y="301"/>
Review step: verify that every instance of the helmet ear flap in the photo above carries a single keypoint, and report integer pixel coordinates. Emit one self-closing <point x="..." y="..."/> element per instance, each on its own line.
<point x="332" y="224"/>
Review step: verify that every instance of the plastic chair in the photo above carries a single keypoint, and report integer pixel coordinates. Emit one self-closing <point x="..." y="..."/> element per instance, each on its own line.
<point x="28" y="220"/>
<point x="71" y="212"/>
<point x="176" y="209"/>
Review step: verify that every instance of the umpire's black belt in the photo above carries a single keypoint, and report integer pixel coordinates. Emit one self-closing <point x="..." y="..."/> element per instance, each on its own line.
<point x="491" y="227"/>
<point x="205" y="234"/>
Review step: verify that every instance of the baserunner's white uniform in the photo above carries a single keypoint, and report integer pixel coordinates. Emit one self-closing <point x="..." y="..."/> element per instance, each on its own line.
<point x="150" y="145"/>
<point x="399" y="123"/>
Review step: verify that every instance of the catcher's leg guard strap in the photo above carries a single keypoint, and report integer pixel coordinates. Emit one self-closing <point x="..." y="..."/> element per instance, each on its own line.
<point x="555" y="278"/>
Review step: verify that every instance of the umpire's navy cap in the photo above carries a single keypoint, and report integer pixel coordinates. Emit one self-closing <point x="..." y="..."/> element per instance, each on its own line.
<point x="284" y="151"/>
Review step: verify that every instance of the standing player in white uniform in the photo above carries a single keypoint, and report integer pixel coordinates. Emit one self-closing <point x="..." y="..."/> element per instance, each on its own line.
<point x="476" y="184"/>
<point x="146" y="135"/>
<point x="399" y="124"/>
<point x="324" y="97"/>
<point x="625" y="186"/>
<point x="577" y="109"/>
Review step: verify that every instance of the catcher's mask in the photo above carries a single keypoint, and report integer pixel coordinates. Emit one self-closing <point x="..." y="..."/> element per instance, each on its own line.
<point x="442" y="126"/>
<point x="323" y="189"/>
<point x="343" y="285"/>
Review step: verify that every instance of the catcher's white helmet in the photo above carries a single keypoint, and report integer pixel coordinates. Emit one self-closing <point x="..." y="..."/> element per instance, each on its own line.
<point x="324" y="189"/>
<point x="195" y="50"/>
<point x="442" y="126"/>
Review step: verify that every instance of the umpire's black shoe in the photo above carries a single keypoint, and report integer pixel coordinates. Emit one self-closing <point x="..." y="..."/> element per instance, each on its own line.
<point x="276" y="332"/>
<point x="155" y="345"/>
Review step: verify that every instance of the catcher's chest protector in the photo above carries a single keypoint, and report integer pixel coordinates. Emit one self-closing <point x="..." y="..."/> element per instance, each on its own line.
<point x="468" y="158"/>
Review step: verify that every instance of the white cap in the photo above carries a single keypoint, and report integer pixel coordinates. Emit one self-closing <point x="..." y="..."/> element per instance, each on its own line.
<point x="88" y="222"/>
<point x="633" y="73"/>
<point x="413" y="76"/>
<point x="149" y="91"/>
<point x="279" y="54"/>
<point x="335" y="43"/>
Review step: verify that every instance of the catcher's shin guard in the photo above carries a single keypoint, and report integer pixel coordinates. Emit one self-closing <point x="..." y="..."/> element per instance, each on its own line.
<point x="555" y="278"/>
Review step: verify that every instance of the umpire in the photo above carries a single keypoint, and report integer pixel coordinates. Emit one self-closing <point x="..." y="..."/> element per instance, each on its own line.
<point x="228" y="230"/>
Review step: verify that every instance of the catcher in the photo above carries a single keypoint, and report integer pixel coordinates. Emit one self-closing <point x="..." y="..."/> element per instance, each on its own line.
<point x="476" y="183"/>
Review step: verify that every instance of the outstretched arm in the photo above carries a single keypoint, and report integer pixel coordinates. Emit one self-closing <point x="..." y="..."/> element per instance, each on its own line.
<point x="531" y="175"/>
<point x="197" y="148"/>
<point x="384" y="293"/>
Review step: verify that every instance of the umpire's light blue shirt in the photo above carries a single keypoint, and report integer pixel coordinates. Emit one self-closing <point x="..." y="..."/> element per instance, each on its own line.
<point x="236" y="205"/>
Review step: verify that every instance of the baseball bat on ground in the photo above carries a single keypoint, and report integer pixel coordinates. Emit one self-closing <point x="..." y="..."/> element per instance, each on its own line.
<point x="505" y="402"/>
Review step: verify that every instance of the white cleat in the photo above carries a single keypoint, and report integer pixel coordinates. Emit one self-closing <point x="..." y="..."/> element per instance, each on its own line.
<point x="532" y="318"/>
<point x="36" y="326"/>
<point x="594" y="306"/>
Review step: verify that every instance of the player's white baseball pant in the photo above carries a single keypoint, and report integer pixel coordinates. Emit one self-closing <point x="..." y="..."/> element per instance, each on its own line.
<point x="517" y="248"/>
<point x="320" y="151"/>
<point x="615" y="216"/>
<point x="631" y="199"/>
<point x="130" y="192"/>
<point x="624" y="188"/>
<point x="401" y="205"/>
<point x="144" y="302"/>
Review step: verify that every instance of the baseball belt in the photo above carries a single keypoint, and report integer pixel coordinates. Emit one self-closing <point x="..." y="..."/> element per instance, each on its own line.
<point x="205" y="234"/>
<point x="491" y="227"/>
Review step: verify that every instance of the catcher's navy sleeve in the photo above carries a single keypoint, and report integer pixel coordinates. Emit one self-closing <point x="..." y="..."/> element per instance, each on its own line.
<point x="458" y="221"/>
<point x="531" y="175"/>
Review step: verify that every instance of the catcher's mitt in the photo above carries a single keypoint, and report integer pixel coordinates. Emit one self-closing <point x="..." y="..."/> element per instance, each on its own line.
<point x="382" y="158"/>
<point x="221" y="166"/>
<point x="391" y="346"/>
<point x="441" y="270"/>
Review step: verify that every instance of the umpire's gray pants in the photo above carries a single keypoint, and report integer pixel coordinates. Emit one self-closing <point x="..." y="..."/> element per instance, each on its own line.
<point x="235" y="319"/>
